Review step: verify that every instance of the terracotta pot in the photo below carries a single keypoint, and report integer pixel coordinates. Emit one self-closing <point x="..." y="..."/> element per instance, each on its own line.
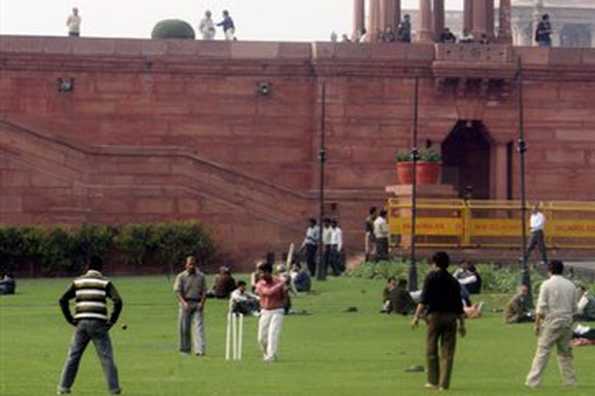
<point x="405" y="172"/>
<point x="427" y="172"/>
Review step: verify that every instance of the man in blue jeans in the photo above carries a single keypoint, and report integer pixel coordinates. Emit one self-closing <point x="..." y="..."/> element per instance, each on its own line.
<point x="92" y="323"/>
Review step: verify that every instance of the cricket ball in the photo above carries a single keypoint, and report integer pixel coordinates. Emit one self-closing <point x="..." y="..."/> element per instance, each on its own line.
<point x="124" y="326"/>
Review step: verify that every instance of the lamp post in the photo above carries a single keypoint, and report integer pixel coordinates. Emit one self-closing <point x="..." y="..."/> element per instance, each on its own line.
<point x="414" y="158"/>
<point x="522" y="149"/>
<point x="321" y="268"/>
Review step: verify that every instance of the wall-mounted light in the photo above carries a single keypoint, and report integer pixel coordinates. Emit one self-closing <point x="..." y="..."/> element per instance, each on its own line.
<point x="65" y="84"/>
<point x="264" y="88"/>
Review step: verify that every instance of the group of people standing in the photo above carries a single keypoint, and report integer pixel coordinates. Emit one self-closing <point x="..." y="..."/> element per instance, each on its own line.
<point x="377" y="233"/>
<point x="402" y="34"/>
<point x="332" y="245"/>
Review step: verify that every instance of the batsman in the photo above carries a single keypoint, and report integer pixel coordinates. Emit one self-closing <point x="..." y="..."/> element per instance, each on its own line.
<point x="273" y="292"/>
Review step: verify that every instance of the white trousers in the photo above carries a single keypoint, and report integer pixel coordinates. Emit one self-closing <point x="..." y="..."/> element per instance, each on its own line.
<point x="550" y="337"/>
<point x="230" y="34"/>
<point x="269" y="330"/>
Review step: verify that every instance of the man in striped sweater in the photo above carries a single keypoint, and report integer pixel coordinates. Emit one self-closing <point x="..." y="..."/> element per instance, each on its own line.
<point x="92" y="323"/>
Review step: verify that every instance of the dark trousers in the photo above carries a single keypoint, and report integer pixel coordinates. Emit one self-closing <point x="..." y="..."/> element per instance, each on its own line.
<point x="442" y="329"/>
<point x="381" y="249"/>
<point x="311" y="258"/>
<point x="86" y="331"/>
<point x="335" y="260"/>
<point x="537" y="240"/>
<point x="327" y="258"/>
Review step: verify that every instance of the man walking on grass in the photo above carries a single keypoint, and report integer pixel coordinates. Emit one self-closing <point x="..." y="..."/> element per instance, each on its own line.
<point x="272" y="292"/>
<point x="191" y="290"/>
<point x="92" y="323"/>
<point x="554" y="316"/>
<point x="441" y="299"/>
<point x="537" y="239"/>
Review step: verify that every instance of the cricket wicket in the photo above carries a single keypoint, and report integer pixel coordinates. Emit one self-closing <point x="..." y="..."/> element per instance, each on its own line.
<point x="233" y="340"/>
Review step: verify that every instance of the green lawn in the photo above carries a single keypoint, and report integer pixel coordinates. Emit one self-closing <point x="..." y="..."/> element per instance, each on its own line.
<point x="330" y="352"/>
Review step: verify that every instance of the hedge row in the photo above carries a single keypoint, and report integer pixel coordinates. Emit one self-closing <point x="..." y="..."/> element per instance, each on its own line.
<point x="495" y="279"/>
<point x="61" y="249"/>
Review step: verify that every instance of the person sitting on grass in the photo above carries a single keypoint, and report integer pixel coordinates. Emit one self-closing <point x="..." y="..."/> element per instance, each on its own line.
<point x="7" y="284"/>
<point x="399" y="299"/>
<point x="300" y="278"/>
<point x="224" y="284"/>
<point x="391" y="283"/>
<point x="586" y="305"/>
<point x="244" y="302"/>
<point x="469" y="277"/>
<point x="518" y="310"/>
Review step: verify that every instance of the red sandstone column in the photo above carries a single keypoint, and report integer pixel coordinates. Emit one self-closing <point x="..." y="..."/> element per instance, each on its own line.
<point x="505" y="24"/>
<point x="359" y="16"/>
<point x="438" y="18"/>
<point x="480" y="18"/>
<point x="397" y="15"/>
<point x="388" y="13"/>
<point x="498" y="173"/>
<point x="424" y="31"/>
<point x="491" y="27"/>
<point x="374" y="22"/>
<point x="468" y="16"/>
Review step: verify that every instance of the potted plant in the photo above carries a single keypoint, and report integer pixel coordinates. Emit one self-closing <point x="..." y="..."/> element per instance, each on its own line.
<point x="428" y="167"/>
<point x="404" y="168"/>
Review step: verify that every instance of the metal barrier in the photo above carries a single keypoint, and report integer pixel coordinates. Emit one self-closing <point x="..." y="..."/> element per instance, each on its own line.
<point x="493" y="224"/>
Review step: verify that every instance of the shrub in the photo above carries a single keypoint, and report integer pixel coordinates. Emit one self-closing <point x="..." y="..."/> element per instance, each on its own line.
<point x="60" y="249"/>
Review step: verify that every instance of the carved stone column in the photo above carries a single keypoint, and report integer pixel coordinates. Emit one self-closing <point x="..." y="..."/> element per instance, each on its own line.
<point x="438" y="19"/>
<point x="374" y="21"/>
<point x="490" y="19"/>
<point x="397" y="16"/>
<point x="505" y="23"/>
<point x="480" y="18"/>
<point x="468" y="16"/>
<point x="359" y="16"/>
<point x="387" y="8"/>
<point x="425" y="32"/>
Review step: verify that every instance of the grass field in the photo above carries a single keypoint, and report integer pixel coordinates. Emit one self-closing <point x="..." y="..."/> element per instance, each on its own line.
<point x="330" y="352"/>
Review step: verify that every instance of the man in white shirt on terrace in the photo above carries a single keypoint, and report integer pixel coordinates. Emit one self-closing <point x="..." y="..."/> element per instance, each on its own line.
<point x="74" y="23"/>
<point x="381" y="232"/>
<point x="537" y="234"/>
<point x="207" y="27"/>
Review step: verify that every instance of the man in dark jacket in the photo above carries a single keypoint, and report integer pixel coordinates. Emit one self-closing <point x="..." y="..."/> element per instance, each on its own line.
<point x="441" y="301"/>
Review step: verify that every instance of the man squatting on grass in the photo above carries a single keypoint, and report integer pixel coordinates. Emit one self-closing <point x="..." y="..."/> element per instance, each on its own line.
<point x="90" y="293"/>
<point x="441" y="299"/>
<point x="273" y="293"/>
<point x="191" y="289"/>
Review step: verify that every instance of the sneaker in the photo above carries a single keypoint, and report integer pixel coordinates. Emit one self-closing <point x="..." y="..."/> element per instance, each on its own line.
<point x="63" y="392"/>
<point x="430" y="386"/>
<point x="182" y="353"/>
<point x="199" y="354"/>
<point x="116" y="392"/>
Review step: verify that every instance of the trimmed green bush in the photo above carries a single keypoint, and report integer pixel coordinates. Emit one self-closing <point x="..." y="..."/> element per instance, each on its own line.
<point x="61" y="249"/>
<point x="495" y="279"/>
<point x="173" y="29"/>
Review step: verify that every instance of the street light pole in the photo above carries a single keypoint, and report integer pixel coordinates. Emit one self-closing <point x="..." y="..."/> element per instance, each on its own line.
<point x="321" y="268"/>
<point x="414" y="158"/>
<point x="522" y="149"/>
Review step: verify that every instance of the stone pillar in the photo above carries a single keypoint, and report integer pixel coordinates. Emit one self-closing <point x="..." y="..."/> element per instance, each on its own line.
<point x="388" y="14"/>
<point x="480" y="18"/>
<point x="374" y="22"/>
<point x="397" y="15"/>
<point x="592" y="36"/>
<point x="505" y="22"/>
<point x="424" y="31"/>
<point x="491" y="26"/>
<point x="359" y="16"/>
<point x="468" y="16"/>
<point x="499" y="174"/>
<point x="438" y="19"/>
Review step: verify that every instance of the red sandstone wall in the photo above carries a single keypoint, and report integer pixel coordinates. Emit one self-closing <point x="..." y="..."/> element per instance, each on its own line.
<point x="157" y="130"/>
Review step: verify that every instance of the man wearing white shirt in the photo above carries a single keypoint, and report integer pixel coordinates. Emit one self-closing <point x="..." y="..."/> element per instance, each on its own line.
<point x="381" y="232"/>
<point x="537" y="234"/>
<point x="74" y="23"/>
<point x="554" y="317"/>
<point x="327" y="233"/>
<point x="242" y="301"/>
<point x="336" y="247"/>
<point x="207" y="27"/>
<point x="311" y="245"/>
<point x="586" y="305"/>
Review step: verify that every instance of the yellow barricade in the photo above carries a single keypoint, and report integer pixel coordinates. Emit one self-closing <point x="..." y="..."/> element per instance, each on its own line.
<point x="462" y="223"/>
